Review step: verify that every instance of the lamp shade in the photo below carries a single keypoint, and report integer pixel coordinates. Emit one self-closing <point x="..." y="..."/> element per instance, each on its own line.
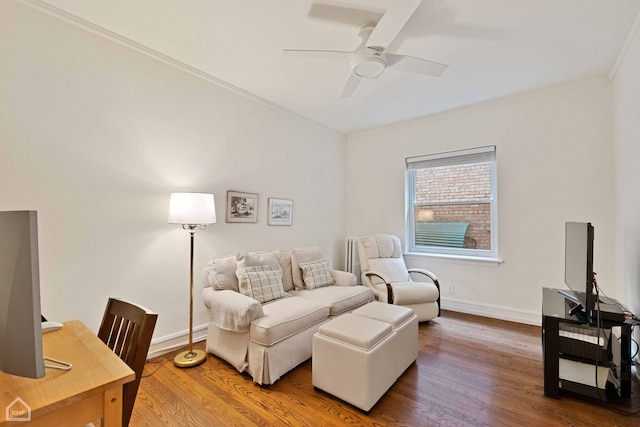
<point x="192" y="208"/>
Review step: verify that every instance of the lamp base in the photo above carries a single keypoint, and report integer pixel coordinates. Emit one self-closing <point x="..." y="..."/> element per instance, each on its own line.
<point x="188" y="359"/>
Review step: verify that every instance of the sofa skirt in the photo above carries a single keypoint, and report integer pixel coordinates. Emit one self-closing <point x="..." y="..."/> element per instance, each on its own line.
<point x="268" y="364"/>
<point x="228" y="345"/>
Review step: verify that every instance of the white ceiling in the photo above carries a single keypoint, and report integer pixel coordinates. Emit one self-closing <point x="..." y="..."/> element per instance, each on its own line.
<point x="493" y="48"/>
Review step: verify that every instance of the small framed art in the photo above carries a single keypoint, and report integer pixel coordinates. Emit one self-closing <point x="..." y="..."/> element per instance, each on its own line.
<point x="280" y="211"/>
<point x="242" y="207"/>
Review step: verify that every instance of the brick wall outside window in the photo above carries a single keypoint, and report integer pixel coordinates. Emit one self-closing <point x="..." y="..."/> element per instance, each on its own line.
<point x="462" y="183"/>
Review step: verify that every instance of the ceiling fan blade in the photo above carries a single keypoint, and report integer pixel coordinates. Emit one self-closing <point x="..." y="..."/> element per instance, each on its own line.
<point x="343" y="14"/>
<point x="350" y="86"/>
<point x="339" y="54"/>
<point x="392" y="22"/>
<point x="412" y="64"/>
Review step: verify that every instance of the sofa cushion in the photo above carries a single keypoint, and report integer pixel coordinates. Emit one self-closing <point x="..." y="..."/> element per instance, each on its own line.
<point x="250" y="259"/>
<point x="286" y="317"/>
<point x="262" y="283"/>
<point x="339" y="299"/>
<point x="299" y="256"/>
<point x="316" y="274"/>
<point x="222" y="273"/>
<point x="284" y="258"/>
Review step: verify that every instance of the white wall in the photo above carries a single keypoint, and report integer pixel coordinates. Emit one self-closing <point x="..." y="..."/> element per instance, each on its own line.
<point x="626" y="107"/>
<point x="95" y="136"/>
<point x="555" y="164"/>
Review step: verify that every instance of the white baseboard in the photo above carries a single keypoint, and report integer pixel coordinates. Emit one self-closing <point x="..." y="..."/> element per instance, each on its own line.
<point x="168" y="343"/>
<point x="493" y="311"/>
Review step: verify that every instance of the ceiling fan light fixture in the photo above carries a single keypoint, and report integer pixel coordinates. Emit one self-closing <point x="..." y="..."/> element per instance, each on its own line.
<point x="368" y="66"/>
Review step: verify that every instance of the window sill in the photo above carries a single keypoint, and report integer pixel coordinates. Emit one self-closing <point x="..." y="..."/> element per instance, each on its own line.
<point x="494" y="262"/>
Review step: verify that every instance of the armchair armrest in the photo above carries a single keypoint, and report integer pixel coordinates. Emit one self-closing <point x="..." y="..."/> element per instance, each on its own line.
<point x="427" y="273"/>
<point x="344" y="278"/>
<point x="432" y="277"/>
<point x="386" y="281"/>
<point x="231" y="310"/>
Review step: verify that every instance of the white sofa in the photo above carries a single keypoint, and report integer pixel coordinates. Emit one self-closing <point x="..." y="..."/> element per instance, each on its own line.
<point x="269" y="338"/>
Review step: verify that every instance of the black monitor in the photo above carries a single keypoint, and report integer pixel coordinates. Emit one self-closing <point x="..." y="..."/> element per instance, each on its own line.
<point x="578" y="264"/>
<point x="20" y="319"/>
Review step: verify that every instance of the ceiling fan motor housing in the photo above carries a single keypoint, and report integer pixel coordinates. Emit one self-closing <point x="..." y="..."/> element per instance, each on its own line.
<point x="367" y="62"/>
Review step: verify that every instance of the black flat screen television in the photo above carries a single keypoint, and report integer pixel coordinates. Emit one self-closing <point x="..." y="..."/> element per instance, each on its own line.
<point x="20" y="319"/>
<point x="578" y="264"/>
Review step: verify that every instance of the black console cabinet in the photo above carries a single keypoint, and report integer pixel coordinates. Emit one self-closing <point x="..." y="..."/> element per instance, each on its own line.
<point x="570" y="345"/>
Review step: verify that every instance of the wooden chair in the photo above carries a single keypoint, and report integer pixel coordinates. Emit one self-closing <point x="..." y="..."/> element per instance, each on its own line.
<point x="127" y="329"/>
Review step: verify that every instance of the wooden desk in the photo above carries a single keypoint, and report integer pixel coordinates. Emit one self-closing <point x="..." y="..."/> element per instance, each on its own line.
<point x="92" y="390"/>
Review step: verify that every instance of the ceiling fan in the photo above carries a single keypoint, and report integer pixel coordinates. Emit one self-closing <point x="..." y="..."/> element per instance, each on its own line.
<point x="371" y="58"/>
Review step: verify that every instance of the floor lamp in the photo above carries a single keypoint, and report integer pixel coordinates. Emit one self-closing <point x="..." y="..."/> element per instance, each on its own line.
<point x="192" y="211"/>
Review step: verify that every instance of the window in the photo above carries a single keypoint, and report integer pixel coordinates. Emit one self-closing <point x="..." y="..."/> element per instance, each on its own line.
<point x="451" y="203"/>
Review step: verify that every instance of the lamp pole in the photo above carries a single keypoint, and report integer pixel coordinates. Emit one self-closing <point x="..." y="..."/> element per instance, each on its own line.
<point x="190" y="358"/>
<point x="192" y="211"/>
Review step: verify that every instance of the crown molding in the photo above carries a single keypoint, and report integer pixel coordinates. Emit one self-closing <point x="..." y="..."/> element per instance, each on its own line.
<point x="63" y="15"/>
<point x="625" y="47"/>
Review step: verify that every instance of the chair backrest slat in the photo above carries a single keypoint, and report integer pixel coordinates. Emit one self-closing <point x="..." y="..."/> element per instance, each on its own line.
<point x="127" y="330"/>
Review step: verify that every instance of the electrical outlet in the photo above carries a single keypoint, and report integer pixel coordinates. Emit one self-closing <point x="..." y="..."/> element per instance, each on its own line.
<point x="450" y="288"/>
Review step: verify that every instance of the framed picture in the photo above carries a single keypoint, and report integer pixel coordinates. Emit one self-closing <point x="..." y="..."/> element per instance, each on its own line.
<point x="280" y="211"/>
<point x="242" y="207"/>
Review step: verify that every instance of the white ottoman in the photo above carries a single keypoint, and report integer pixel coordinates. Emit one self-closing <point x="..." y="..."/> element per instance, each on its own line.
<point x="404" y="323"/>
<point x="354" y="359"/>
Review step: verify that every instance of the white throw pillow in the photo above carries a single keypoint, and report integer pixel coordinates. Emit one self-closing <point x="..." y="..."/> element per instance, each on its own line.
<point x="250" y="259"/>
<point x="284" y="259"/>
<point x="316" y="274"/>
<point x="222" y="273"/>
<point x="262" y="283"/>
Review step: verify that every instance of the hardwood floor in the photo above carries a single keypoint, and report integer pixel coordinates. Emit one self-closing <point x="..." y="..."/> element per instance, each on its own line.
<point x="471" y="371"/>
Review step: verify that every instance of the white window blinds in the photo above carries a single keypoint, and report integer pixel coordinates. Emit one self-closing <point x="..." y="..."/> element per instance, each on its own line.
<point x="451" y="158"/>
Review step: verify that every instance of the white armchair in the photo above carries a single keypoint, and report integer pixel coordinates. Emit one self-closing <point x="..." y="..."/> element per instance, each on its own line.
<point x="385" y="272"/>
